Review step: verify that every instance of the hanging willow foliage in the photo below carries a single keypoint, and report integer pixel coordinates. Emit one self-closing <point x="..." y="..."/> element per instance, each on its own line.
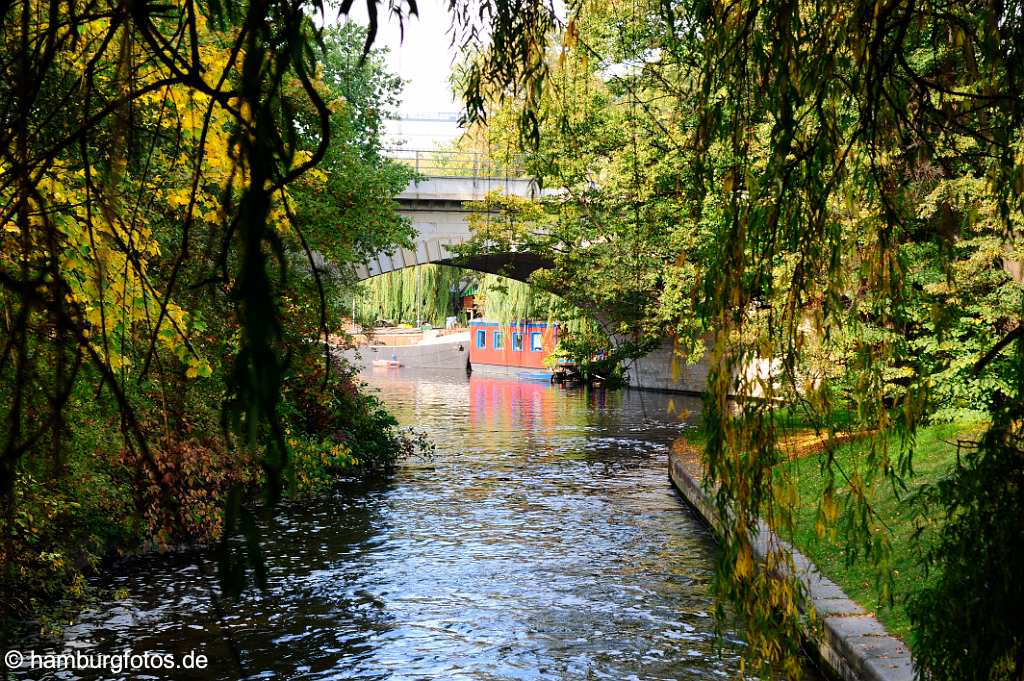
<point x="429" y="293"/>
<point x="423" y="293"/>
<point x="508" y="300"/>
<point x="839" y="185"/>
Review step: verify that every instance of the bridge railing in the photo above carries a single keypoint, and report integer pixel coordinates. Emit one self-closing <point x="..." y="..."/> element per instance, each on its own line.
<point x="459" y="163"/>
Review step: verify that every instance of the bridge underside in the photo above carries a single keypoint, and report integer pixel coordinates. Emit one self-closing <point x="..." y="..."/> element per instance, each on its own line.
<point x="518" y="266"/>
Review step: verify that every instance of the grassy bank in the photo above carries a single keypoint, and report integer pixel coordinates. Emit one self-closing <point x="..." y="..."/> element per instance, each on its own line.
<point x="934" y="453"/>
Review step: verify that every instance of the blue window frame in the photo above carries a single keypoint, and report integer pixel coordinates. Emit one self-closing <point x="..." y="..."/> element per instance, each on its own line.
<point x="481" y="338"/>
<point x="517" y="342"/>
<point x="499" y="340"/>
<point x="536" y="342"/>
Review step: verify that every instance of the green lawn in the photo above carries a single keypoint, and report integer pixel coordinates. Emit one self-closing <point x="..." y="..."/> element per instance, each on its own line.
<point x="934" y="453"/>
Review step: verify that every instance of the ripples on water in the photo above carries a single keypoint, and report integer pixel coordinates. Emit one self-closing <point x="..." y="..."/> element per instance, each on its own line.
<point x="541" y="541"/>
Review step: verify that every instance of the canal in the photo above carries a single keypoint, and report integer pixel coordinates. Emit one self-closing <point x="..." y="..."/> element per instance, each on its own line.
<point x="541" y="540"/>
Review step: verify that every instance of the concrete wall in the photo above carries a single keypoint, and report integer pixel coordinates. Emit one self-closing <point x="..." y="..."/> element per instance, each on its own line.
<point x="456" y="188"/>
<point x="663" y="370"/>
<point x="436" y="207"/>
<point x="439" y="226"/>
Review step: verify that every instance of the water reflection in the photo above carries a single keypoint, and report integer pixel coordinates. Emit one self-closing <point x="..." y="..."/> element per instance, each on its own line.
<point x="542" y="541"/>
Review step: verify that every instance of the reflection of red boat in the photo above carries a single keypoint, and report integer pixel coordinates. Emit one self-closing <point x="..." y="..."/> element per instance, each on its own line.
<point x="389" y="363"/>
<point x="514" y="406"/>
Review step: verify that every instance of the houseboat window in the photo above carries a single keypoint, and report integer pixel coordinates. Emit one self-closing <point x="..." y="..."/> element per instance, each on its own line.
<point x="481" y="338"/>
<point x="536" y="342"/>
<point x="517" y="342"/>
<point x="499" y="340"/>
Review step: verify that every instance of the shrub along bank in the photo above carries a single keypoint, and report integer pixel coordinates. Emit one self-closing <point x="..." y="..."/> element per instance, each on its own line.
<point x="110" y="501"/>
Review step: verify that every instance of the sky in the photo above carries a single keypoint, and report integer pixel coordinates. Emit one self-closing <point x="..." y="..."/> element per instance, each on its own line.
<point x="424" y="61"/>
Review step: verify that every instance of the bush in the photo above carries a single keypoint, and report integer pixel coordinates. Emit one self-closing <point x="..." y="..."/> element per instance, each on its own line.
<point x="351" y="430"/>
<point x="180" y="491"/>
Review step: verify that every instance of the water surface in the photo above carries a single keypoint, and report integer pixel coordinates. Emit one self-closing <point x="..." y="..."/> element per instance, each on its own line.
<point x="542" y="540"/>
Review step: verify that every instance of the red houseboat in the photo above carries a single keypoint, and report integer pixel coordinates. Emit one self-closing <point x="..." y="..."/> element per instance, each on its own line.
<point x="516" y="348"/>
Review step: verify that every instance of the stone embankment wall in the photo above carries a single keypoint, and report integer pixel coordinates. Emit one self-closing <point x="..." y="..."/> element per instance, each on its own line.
<point x="663" y="370"/>
<point x="849" y="639"/>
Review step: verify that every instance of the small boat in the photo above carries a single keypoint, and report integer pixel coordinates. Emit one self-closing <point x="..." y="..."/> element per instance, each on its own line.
<point x="535" y="376"/>
<point x="388" y="363"/>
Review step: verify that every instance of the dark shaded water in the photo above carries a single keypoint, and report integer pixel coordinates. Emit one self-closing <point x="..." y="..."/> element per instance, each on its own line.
<point x="542" y="541"/>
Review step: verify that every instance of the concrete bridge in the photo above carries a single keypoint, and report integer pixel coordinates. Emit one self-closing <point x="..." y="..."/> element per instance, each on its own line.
<point x="437" y="208"/>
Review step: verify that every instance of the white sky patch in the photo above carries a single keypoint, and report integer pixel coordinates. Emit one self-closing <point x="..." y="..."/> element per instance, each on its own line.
<point x="423" y="59"/>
